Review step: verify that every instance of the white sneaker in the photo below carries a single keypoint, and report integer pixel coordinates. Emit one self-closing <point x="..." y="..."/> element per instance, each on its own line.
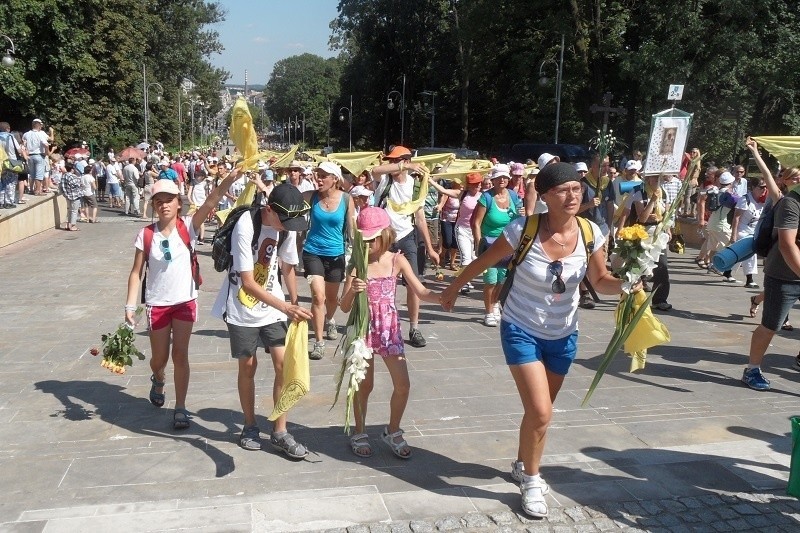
<point x="490" y="320"/>
<point x="730" y="279"/>
<point x="518" y="470"/>
<point x="533" y="501"/>
<point x="497" y="311"/>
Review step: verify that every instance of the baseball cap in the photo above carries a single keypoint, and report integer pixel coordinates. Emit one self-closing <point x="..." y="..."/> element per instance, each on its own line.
<point x="499" y="170"/>
<point x="398" y="152"/>
<point x="166" y="187"/>
<point x="360" y="190"/>
<point x="581" y="167"/>
<point x="633" y="164"/>
<point x="726" y="178"/>
<point x="546" y="158"/>
<point x="38" y="120"/>
<point x="517" y="169"/>
<point x="372" y="221"/>
<point x="474" y="177"/>
<point x="163" y="163"/>
<point x="331" y="168"/>
<point x="288" y="203"/>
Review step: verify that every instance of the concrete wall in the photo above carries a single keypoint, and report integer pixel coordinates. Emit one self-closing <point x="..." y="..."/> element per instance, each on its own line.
<point x="38" y="215"/>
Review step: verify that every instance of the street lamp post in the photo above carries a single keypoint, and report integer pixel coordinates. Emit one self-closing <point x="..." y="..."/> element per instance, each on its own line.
<point x="147" y="99"/>
<point x="392" y="100"/>
<point x="8" y="57"/>
<point x="193" y="102"/>
<point x="432" y="94"/>
<point x="544" y="80"/>
<point x="349" y="119"/>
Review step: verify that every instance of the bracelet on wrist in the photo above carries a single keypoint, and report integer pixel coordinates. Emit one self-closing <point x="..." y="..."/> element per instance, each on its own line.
<point x="130" y="307"/>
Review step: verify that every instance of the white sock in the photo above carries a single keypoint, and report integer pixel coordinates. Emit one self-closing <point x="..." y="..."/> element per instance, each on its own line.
<point x="527" y="479"/>
<point x="751" y="367"/>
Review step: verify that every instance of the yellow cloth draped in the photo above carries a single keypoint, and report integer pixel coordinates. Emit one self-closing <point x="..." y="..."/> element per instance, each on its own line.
<point x="243" y="134"/>
<point x="284" y="160"/>
<point x="355" y="162"/>
<point x="784" y="149"/>
<point x="649" y="332"/>
<point x="458" y="169"/>
<point x="296" y="374"/>
<point x="411" y="207"/>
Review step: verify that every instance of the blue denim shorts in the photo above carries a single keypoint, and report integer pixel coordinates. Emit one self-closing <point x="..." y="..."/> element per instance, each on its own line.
<point x="779" y="297"/>
<point x="521" y="347"/>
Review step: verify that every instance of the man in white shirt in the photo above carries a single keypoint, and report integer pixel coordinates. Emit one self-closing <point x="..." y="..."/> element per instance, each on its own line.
<point x="396" y="184"/>
<point x="37" y="143"/>
<point x="113" y="176"/>
<point x="130" y="179"/>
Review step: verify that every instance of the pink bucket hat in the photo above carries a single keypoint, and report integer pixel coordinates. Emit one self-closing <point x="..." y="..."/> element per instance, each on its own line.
<point x="372" y="221"/>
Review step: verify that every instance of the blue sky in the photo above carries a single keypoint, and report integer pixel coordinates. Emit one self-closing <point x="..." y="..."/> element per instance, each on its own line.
<point x="257" y="34"/>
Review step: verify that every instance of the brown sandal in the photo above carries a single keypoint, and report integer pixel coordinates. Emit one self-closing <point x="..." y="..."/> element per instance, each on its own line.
<point x="753" y="307"/>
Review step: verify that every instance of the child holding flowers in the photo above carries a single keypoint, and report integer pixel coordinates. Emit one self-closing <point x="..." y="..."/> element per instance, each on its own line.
<point x="384" y="336"/>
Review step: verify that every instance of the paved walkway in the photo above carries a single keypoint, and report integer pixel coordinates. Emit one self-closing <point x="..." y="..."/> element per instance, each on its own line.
<point x="680" y="446"/>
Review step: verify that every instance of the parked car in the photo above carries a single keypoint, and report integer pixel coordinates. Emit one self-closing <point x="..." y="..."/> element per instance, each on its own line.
<point x="461" y="153"/>
<point x="568" y="153"/>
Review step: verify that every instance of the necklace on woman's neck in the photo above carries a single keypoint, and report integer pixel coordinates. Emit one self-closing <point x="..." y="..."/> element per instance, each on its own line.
<point x="553" y="235"/>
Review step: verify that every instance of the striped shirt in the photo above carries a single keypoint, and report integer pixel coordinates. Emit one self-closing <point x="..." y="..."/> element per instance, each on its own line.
<point x="531" y="304"/>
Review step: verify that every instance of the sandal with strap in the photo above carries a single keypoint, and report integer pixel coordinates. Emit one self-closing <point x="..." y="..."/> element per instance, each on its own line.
<point x="360" y="445"/>
<point x="284" y="442"/>
<point x="753" y="307"/>
<point x="181" y="418"/>
<point x="156" y="398"/>
<point x="397" y="447"/>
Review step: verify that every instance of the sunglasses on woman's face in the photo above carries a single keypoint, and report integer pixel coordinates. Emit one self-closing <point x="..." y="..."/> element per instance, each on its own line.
<point x="164" y="244"/>
<point x="556" y="268"/>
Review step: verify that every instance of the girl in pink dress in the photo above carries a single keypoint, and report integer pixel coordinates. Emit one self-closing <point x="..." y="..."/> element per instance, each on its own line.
<point x="384" y="337"/>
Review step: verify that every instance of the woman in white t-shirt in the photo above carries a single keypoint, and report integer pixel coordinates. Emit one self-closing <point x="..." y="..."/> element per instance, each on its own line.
<point x="539" y="325"/>
<point x="170" y="291"/>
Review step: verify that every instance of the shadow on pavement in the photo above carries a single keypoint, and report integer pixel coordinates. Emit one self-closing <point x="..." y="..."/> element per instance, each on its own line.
<point x="131" y="413"/>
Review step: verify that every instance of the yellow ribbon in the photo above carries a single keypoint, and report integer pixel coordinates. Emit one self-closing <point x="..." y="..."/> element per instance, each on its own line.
<point x="648" y="332"/>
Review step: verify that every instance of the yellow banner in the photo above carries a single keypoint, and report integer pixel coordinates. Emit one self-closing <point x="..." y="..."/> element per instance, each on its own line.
<point x="296" y="374"/>
<point x="784" y="149"/>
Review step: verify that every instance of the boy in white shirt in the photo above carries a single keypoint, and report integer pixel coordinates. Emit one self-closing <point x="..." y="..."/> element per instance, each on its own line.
<point x="252" y="304"/>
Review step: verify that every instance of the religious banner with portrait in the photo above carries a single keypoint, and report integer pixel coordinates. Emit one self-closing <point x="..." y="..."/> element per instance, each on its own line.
<point x="669" y="133"/>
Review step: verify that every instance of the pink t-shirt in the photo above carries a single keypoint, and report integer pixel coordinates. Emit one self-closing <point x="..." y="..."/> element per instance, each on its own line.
<point x="180" y="170"/>
<point x="468" y="204"/>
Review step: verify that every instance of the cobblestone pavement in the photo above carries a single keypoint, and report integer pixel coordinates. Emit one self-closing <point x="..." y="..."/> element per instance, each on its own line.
<point x="680" y="446"/>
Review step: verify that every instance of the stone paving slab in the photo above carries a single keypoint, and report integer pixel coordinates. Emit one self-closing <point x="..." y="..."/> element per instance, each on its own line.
<point x="681" y="446"/>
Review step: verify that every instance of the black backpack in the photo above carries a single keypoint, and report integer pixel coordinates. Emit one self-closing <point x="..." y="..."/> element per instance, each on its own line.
<point x="712" y="201"/>
<point x="763" y="238"/>
<point x="221" y="244"/>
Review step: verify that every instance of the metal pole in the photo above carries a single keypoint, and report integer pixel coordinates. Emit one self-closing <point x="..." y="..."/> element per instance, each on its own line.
<point x="351" y="122"/>
<point x="433" y="115"/>
<point x="144" y="84"/>
<point x="558" y="87"/>
<point x="403" y="112"/>
<point x="304" y="130"/>
<point x="193" y="143"/>
<point x="180" y="119"/>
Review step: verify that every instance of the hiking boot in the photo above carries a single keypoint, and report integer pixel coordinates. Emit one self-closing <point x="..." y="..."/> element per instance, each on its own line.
<point x="586" y="301"/>
<point x="753" y="378"/>
<point x="317" y="351"/>
<point x="249" y="438"/>
<point x="331" y="333"/>
<point x="416" y="339"/>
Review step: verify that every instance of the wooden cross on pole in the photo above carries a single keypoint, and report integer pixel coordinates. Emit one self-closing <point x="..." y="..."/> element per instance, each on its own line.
<point x="606" y="109"/>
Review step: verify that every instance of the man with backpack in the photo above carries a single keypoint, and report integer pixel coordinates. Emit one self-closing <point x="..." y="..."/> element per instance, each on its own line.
<point x="721" y="204"/>
<point x="396" y="183"/>
<point x="781" y="280"/>
<point x="252" y="304"/>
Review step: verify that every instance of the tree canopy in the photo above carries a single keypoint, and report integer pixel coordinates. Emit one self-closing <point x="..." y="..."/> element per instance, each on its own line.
<point x="483" y="59"/>
<point x="79" y="65"/>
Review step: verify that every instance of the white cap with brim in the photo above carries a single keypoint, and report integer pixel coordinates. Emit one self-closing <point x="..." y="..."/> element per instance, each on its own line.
<point x="331" y="168"/>
<point x="633" y="164"/>
<point x="165" y="186"/>
<point x="546" y="158"/>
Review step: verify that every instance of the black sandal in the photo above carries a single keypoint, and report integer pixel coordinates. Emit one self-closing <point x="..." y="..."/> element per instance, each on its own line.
<point x="180" y="418"/>
<point x="786" y="326"/>
<point x="156" y="398"/>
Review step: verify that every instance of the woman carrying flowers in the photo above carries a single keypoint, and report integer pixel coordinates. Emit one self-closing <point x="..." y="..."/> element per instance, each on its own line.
<point x="539" y="326"/>
<point x="384" y="337"/>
